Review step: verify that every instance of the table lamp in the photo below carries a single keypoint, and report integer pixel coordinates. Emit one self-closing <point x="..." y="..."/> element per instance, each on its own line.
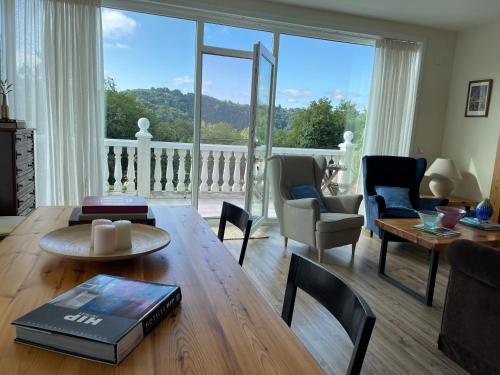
<point x="442" y="173"/>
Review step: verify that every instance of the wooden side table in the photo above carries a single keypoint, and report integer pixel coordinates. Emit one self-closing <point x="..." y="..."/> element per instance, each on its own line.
<point x="456" y="201"/>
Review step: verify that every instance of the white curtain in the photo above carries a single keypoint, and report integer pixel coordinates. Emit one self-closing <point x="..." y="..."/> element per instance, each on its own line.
<point x="53" y="55"/>
<point x="391" y="106"/>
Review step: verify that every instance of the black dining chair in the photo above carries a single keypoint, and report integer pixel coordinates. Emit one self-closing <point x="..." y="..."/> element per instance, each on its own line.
<point x="238" y="217"/>
<point x="352" y="312"/>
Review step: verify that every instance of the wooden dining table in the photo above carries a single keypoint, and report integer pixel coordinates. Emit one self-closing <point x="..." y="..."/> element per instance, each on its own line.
<point x="223" y="325"/>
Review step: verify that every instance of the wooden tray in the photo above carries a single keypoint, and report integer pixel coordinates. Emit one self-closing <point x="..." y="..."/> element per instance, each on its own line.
<point x="74" y="243"/>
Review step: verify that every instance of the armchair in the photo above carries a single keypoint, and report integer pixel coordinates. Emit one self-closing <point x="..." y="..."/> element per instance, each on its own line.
<point x="394" y="171"/>
<point x="301" y="219"/>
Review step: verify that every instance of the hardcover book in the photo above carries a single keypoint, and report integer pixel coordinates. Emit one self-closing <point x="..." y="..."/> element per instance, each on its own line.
<point x="114" y="205"/>
<point x="483" y="225"/>
<point x="103" y="319"/>
<point x="77" y="217"/>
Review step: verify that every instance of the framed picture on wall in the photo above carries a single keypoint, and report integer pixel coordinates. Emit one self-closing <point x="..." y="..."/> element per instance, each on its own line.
<point x="478" y="98"/>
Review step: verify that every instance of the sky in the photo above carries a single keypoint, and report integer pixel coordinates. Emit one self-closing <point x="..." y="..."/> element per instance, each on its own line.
<point x="143" y="51"/>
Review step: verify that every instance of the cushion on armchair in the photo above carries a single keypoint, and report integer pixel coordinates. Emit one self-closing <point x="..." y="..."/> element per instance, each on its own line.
<point x="307" y="191"/>
<point x="395" y="197"/>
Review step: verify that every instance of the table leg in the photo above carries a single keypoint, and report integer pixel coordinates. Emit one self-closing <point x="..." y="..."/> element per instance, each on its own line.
<point x="431" y="278"/>
<point x="383" y="253"/>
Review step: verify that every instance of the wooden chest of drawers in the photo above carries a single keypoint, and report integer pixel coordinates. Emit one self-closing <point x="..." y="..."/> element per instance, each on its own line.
<point x="17" y="172"/>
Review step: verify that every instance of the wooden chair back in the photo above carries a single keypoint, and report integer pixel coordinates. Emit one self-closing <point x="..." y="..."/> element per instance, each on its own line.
<point x="241" y="219"/>
<point x="352" y="312"/>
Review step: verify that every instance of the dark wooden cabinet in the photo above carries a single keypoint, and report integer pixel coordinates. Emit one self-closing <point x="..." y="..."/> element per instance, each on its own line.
<point x="17" y="172"/>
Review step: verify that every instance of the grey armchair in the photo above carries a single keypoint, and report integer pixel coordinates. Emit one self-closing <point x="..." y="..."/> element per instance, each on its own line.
<point x="301" y="219"/>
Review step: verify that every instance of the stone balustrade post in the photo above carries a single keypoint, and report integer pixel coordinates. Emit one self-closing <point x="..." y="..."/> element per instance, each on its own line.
<point x="118" y="169"/>
<point x="131" y="170"/>
<point x="226" y="174"/>
<point x="106" y="169"/>
<point x="181" y="174"/>
<point x="169" y="185"/>
<point x="348" y="148"/>
<point x="143" y="157"/>
<point x="237" y="172"/>
<point x="204" y="170"/>
<point x="215" y="171"/>
<point x="157" y="172"/>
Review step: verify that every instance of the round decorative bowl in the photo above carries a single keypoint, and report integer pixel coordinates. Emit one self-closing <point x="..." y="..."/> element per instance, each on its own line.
<point x="452" y="216"/>
<point x="74" y="243"/>
<point x="430" y="219"/>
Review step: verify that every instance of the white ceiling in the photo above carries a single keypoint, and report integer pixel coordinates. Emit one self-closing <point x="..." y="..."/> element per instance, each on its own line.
<point x="444" y="14"/>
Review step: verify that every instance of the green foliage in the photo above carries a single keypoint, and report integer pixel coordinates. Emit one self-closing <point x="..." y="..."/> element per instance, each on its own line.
<point x="170" y="112"/>
<point x="223" y="133"/>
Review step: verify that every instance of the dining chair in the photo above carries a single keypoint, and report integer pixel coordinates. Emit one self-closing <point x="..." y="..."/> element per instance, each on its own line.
<point x="238" y="217"/>
<point x="351" y="311"/>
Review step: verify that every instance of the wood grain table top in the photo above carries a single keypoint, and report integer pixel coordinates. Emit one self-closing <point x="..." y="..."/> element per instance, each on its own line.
<point x="223" y="326"/>
<point x="404" y="228"/>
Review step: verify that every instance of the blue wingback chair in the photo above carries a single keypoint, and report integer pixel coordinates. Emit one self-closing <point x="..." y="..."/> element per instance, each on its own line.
<point x="394" y="171"/>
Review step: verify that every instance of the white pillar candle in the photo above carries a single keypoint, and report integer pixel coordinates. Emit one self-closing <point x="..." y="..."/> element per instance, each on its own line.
<point x="104" y="239"/>
<point x="123" y="234"/>
<point x="95" y="223"/>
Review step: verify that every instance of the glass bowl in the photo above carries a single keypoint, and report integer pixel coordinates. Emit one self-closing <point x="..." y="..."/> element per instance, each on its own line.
<point x="452" y="216"/>
<point x="430" y="219"/>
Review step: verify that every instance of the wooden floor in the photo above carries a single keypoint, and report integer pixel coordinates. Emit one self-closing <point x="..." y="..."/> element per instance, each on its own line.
<point x="404" y="340"/>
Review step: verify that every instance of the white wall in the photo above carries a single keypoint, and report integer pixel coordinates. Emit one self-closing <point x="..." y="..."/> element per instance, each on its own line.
<point x="437" y="61"/>
<point x="472" y="142"/>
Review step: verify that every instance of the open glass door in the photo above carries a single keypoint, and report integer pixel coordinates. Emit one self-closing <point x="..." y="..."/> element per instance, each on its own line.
<point x="260" y="129"/>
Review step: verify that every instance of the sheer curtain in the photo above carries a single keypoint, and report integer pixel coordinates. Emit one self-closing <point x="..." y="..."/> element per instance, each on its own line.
<point x="391" y="106"/>
<point x="52" y="52"/>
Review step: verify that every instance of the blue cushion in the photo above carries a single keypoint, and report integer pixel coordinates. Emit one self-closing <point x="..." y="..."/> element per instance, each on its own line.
<point x="395" y="197"/>
<point x="307" y="191"/>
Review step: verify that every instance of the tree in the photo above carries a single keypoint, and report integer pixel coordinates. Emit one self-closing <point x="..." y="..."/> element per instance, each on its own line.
<point x="317" y="126"/>
<point x="122" y="112"/>
<point x="221" y="133"/>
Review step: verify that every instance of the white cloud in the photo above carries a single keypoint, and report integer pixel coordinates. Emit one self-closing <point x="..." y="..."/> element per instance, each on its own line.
<point x="116" y="45"/>
<point x="207" y="83"/>
<point x="292" y="100"/>
<point x="295" y="93"/>
<point x="183" y="80"/>
<point x="116" y="24"/>
<point x="337" y="95"/>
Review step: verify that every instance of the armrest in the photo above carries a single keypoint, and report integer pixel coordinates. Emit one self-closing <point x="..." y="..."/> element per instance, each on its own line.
<point x="299" y="220"/>
<point x="430" y="203"/>
<point x="378" y="201"/>
<point x="348" y="204"/>
<point x="304" y="203"/>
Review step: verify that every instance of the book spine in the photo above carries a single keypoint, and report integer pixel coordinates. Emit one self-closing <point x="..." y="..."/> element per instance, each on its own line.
<point x="114" y="209"/>
<point x="161" y="311"/>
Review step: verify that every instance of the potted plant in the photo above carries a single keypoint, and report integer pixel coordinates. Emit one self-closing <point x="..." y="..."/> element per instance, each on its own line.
<point x="5" y="88"/>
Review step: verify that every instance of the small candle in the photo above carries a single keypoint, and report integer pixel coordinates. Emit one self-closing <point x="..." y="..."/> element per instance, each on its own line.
<point x="123" y="234"/>
<point x="104" y="239"/>
<point x="95" y="223"/>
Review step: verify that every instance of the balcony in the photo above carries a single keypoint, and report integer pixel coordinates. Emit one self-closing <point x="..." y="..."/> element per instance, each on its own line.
<point x="162" y="171"/>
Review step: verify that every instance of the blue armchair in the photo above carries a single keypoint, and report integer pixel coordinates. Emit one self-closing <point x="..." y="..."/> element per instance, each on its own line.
<point x="394" y="171"/>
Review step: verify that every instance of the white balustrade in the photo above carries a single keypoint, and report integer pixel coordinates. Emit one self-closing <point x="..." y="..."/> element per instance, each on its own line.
<point x="226" y="174"/>
<point x="157" y="173"/>
<point x="204" y="170"/>
<point x="106" y="168"/>
<point x="169" y="186"/>
<point x="232" y="179"/>
<point x="215" y="171"/>
<point x="236" y="173"/>
<point x="131" y="170"/>
<point x="181" y="174"/>
<point x="118" y="169"/>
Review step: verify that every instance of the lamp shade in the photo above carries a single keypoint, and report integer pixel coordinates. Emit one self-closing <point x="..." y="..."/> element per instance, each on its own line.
<point x="444" y="168"/>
